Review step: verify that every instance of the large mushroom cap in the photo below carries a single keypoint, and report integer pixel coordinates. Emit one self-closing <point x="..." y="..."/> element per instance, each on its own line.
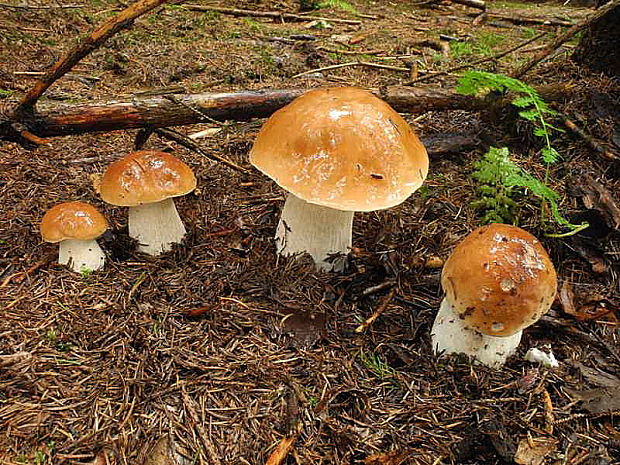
<point x="72" y="220"/>
<point x="499" y="279"/>
<point x="146" y="177"/>
<point x="343" y="148"/>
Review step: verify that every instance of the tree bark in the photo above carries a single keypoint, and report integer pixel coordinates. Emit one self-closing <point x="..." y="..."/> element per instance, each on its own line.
<point x="599" y="46"/>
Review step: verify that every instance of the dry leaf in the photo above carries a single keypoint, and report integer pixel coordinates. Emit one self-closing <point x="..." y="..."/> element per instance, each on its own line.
<point x="533" y="452"/>
<point x="601" y="400"/>
<point x="161" y="453"/>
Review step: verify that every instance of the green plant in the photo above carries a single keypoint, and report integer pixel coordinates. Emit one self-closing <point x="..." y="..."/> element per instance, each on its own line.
<point x="39" y="457"/>
<point x="377" y="366"/>
<point x="533" y="109"/>
<point x="492" y="173"/>
<point x="85" y="272"/>
<point x="338" y="5"/>
<point x="51" y="335"/>
<point x="458" y="48"/>
<point x="252" y="24"/>
<point x="499" y="177"/>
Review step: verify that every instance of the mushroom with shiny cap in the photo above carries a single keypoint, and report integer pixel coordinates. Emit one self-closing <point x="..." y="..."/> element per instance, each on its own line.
<point x="76" y="225"/>
<point x="146" y="181"/>
<point x="498" y="281"/>
<point x="336" y="151"/>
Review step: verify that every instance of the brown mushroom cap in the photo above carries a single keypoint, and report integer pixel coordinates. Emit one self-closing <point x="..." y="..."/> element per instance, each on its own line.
<point x="341" y="147"/>
<point x="499" y="279"/>
<point x="72" y="220"/>
<point x="145" y="177"/>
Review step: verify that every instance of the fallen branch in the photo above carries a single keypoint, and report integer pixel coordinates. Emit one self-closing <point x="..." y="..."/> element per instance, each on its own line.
<point x="268" y="14"/>
<point x="39" y="7"/>
<point x="526" y="19"/>
<point x="90" y="43"/>
<point x="352" y="64"/>
<point x="190" y="144"/>
<point x="377" y="313"/>
<point x="593" y="143"/>
<point x="58" y="119"/>
<point x="479" y="4"/>
<point x="567" y="35"/>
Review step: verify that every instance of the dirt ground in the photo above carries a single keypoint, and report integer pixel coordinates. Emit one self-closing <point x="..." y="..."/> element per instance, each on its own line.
<point x="191" y="350"/>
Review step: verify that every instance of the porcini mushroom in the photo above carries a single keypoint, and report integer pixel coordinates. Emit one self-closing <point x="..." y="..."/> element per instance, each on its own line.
<point x="146" y="182"/>
<point x="336" y="151"/>
<point x="498" y="281"/>
<point x="76" y="225"/>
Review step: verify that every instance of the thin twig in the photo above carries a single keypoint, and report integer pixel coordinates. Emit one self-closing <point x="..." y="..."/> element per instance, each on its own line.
<point x="351" y="52"/>
<point x="352" y="64"/>
<point x="38" y="7"/>
<point x="388" y="298"/>
<point x="528" y="20"/>
<point x="122" y="20"/>
<point x="192" y="145"/>
<point x="567" y="35"/>
<point x="593" y="143"/>
<point x="268" y="14"/>
<point x="206" y="442"/>
<point x="477" y="62"/>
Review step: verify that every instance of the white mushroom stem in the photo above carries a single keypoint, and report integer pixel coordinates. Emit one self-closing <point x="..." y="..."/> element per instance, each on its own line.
<point x="82" y="255"/>
<point x="450" y="335"/>
<point x="317" y="230"/>
<point x="156" y="226"/>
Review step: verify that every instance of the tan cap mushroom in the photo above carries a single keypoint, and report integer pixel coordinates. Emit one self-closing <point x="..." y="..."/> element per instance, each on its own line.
<point x="72" y="220"/>
<point x="336" y="150"/>
<point x="341" y="147"/>
<point x="146" y="181"/>
<point x="144" y="177"/>
<point x="498" y="281"/>
<point x="75" y="225"/>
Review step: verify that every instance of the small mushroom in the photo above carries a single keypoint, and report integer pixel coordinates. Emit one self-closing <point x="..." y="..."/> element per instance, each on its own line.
<point x="336" y="151"/>
<point x="146" y="181"/>
<point x="76" y="225"/>
<point x="498" y="281"/>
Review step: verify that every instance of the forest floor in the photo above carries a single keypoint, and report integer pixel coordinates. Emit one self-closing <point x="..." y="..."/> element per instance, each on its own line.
<point x="219" y="350"/>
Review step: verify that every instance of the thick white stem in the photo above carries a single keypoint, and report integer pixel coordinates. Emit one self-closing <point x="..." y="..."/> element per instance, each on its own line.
<point x="82" y="255"/>
<point x="156" y="226"/>
<point x="319" y="231"/>
<point x="450" y="335"/>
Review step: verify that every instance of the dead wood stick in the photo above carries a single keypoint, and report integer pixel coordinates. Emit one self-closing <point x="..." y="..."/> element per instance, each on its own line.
<point x="153" y="111"/>
<point x="377" y="313"/>
<point x="566" y="35"/>
<point x="192" y="145"/>
<point x="593" y="143"/>
<point x="206" y="442"/>
<point x="526" y="19"/>
<point x="479" y="4"/>
<point x="480" y="61"/>
<point x="90" y="43"/>
<point x="268" y="14"/>
<point x="58" y="119"/>
<point x="352" y="64"/>
<point x="39" y="7"/>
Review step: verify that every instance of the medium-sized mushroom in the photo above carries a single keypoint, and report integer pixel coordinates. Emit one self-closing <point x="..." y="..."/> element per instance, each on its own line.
<point x="146" y="182"/>
<point x="336" y="151"/>
<point x="498" y="281"/>
<point x="76" y="225"/>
